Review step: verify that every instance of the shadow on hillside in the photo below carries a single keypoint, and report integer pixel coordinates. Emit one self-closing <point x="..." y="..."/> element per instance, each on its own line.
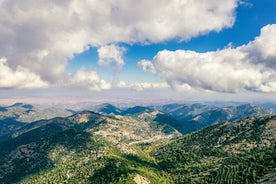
<point x="7" y="126"/>
<point x="29" y="153"/>
<point x="118" y="169"/>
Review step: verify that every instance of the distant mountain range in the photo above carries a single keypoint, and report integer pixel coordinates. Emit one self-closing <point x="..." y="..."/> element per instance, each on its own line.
<point x="142" y="147"/>
<point x="29" y="113"/>
<point x="17" y="115"/>
<point x="187" y="118"/>
<point x="110" y="109"/>
<point x="183" y="117"/>
<point x="269" y="106"/>
<point x="196" y="116"/>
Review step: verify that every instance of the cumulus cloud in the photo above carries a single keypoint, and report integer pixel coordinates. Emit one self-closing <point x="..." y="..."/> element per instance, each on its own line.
<point x="263" y="49"/>
<point x="248" y="67"/>
<point x="111" y="55"/>
<point x="18" y="78"/>
<point x="89" y="79"/>
<point x="41" y="36"/>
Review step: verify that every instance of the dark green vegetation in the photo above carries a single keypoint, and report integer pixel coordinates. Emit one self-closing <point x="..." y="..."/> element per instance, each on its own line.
<point x="242" y="152"/>
<point x="79" y="149"/>
<point x="143" y="148"/>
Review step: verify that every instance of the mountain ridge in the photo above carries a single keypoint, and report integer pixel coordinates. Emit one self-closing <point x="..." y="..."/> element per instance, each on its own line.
<point x="185" y="118"/>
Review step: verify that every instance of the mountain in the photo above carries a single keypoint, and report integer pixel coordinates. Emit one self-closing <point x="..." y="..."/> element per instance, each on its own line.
<point x="27" y="106"/>
<point x="17" y="115"/>
<point x="9" y="125"/>
<point x="93" y="148"/>
<point x="106" y="108"/>
<point x="3" y="109"/>
<point x="136" y="110"/>
<point x="241" y="152"/>
<point x="269" y="106"/>
<point x="110" y="109"/>
<point x="189" y="118"/>
<point x="29" y="113"/>
<point x="184" y="111"/>
<point x="185" y="118"/>
<point x="74" y="147"/>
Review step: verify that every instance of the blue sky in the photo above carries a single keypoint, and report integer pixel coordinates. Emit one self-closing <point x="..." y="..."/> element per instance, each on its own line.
<point x="251" y="16"/>
<point x="216" y="50"/>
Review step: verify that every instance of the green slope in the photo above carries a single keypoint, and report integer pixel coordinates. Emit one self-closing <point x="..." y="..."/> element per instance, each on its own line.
<point x="92" y="148"/>
<point x="80" y="148"/>
<point x="241" y="152"/>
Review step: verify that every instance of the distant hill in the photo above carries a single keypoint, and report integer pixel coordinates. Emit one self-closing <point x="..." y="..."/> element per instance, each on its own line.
<point x="185" y="118"/>
<point x="136" y="110"/>
<point x="188" y="118"/>
<point x="19" y="104"/>
<point x="269" y="106"/>
<point x="110" y="109"/>
<point x="3" y="109"/>
<point x="106" y="108"/>
<point x="29" y="113"/>
<point x="17" y="115"/>
<point x="9" y="125"/>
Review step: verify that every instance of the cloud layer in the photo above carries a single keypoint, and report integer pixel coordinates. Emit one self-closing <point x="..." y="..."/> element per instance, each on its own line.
<point x="248" y="67"/>
<point x="40" y="36"/>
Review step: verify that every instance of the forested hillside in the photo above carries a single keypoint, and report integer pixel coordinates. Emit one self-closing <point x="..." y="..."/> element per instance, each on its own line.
<point x="94" y="148"/>
<point x="241" y="152"/>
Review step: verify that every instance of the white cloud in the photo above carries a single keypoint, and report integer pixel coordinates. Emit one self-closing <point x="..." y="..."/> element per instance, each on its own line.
<point x="263" y="49"/>
<point x="147" y="66"/>
<point x="89" y="79"/>
<point x="268" y="87"/>
<point x="111" y="55"/>
<point x="248" y="67"/>
<point x="121" y="84"/>
<point x="148" y="85"/>
<point x="18" y="78"/>
<point x="246" y="3"/>
<point x="140" y="86"/>
<point x="41" y="35"/>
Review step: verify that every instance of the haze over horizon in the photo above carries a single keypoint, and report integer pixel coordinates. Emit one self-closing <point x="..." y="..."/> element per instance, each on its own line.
<point x="131" y="51"/>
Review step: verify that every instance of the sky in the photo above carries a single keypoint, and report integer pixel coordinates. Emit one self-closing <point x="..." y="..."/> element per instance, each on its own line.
<point x="130" y="51"/>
